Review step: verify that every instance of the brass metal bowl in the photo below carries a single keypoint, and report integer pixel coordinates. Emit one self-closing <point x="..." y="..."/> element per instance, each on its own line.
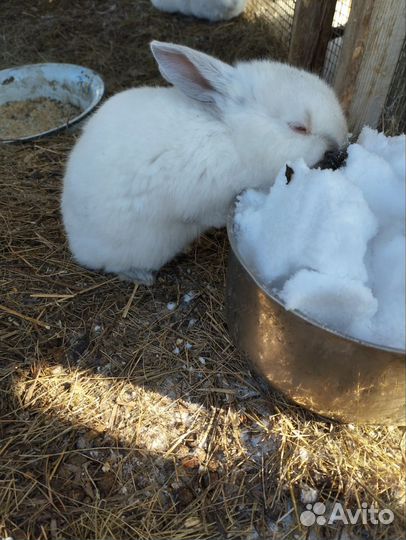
<point x="332" y="374"/>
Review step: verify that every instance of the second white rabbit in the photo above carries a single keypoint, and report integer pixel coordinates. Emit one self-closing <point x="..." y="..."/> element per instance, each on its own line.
<point x="214" y="10"/>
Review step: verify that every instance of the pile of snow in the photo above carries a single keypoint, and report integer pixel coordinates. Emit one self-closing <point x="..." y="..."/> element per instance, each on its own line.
<point x="332" y="243"/>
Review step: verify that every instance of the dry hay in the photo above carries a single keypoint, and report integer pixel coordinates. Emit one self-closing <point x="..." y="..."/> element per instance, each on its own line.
<point x="121" y="418"/>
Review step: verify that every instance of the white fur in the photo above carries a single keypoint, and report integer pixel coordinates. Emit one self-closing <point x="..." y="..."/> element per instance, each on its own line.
<point x="154" y="167"/>
<point x="213" y="10"/>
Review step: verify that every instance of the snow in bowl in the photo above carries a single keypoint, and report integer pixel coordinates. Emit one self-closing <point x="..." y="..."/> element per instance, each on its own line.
<point x="316" y="282"/>
<point x="40" y="99"/>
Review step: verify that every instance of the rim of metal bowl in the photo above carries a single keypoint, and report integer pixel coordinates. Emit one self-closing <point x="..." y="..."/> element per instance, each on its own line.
<point x="76" y="119"/>
<point x="231" y="233"/>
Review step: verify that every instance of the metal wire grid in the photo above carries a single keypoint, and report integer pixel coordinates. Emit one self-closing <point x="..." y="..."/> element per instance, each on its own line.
<point x="394" y="113"/>
<point x="279" y="13"/>
<point x="342" y="12"/>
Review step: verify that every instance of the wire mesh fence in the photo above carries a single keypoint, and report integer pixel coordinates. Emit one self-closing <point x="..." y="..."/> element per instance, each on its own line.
<point x="279" y="14"/>
<point x="394" y="113"/>
<point x="342" y="12"/>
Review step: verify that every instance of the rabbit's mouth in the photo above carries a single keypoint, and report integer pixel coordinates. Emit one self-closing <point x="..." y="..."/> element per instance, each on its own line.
<point x="333" y="159"/>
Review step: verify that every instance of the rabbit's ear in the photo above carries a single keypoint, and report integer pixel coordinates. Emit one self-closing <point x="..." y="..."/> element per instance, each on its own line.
<point x="196" y="74"/>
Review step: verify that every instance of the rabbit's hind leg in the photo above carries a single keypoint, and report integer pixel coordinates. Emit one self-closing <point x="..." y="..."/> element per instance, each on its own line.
<point x="138" y="275"/>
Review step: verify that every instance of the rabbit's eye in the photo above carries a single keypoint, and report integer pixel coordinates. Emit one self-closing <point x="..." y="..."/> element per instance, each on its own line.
<point x="299" y="128"/>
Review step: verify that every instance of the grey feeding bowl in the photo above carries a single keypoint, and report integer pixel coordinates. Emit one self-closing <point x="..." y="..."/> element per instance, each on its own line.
<point x="67" y="83"/>
<point x="332" y="374"/>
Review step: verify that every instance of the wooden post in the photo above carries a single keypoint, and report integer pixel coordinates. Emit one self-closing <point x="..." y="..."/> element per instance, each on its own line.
<point x="371" y="46"/>
<point x="311" y="31"/>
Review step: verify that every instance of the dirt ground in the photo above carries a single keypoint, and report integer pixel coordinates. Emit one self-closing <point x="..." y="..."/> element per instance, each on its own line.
<point x="126" y="412"/>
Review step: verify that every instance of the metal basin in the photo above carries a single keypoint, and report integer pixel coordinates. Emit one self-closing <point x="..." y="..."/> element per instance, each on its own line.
<point x="67" y="83"/>
<point x="332" y="374"/>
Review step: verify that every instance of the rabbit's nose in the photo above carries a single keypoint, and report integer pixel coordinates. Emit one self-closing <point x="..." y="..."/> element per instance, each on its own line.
<point x="332" y="145"/>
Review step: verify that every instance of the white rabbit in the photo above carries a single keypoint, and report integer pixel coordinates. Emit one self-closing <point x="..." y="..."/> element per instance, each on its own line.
<point x="213" y="10"/>
<point x="155" y="167"/>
